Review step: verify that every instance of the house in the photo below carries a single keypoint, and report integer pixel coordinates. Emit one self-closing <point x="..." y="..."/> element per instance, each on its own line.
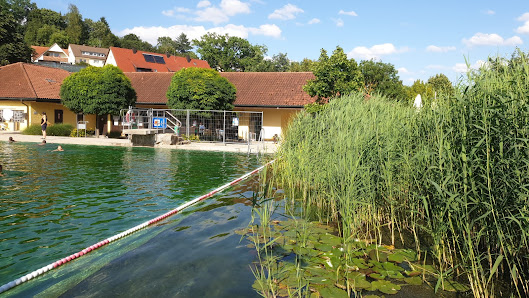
<point x="278" y="95"/>
<point x="132" y="60"/>
<point x="50" y="54"/>
<point x="91" y="55"/>
<point x="28" y="90"/>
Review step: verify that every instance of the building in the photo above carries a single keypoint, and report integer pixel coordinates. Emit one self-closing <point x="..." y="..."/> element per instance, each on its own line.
<point x="50" y="54"/>
<point x="139" y="61"/>
<point x="86" y="54"/>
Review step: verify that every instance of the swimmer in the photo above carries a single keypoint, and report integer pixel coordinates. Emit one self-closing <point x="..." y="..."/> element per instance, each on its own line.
<point x="11" y="140"/>
<point x="59" y="148"/>
<point x="1" y="174"/>
<point x="43" y="143"/>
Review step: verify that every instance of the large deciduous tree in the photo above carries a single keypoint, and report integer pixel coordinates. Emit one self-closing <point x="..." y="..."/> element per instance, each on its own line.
<point x="441" y="84"/>
<point x="98" y="90"/>
<point x="200" y="89"/>
<point x="99" y="34"/>
<point x="422" y="88"/>
<point x="75" y="27"/>
<point x="229" y="53"/>
<point x="132" y="41"/>
<point x="335" y="75"/>
<point x="182" y="44"/>
<point x="12" y="45"/>
<point x="382" y="78"/>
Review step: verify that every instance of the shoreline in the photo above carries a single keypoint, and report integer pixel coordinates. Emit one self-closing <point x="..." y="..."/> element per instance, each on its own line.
<point x="262" y="148"/>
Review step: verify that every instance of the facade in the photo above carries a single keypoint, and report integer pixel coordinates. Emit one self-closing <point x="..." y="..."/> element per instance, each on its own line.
<point x="51" y="54"/>
<point x="139" y="61"/>
<point x="90" y="55"/>
<point x="28" y="90"/>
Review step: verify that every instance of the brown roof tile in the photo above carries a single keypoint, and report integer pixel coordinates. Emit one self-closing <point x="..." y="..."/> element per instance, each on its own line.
<point x="78" y="49"/>
<point x="128" y="61"/>
<point x="151" y="87"/>
<point x="30" y="81"/>
<point x="270" y="89"/>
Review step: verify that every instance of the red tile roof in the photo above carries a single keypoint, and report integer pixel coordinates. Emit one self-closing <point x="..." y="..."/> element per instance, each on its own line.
<point x="30" y="81"/>
<point x="39" y="51"/>
<point x="128" y="61"/>
<point x="254" y="89"/>
<point x="151" y="87"/>
<point x="270" y="89"/>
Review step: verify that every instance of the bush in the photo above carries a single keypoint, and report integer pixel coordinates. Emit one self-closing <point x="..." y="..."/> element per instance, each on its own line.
<point x="114" y="134"/>
<point x="62" y="130"/>
<point x="33" y="129"/>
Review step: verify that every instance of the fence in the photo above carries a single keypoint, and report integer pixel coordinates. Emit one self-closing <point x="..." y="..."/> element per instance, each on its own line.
<point x="198" y="125"/>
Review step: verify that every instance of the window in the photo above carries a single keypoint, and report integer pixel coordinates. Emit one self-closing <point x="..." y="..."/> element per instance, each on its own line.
<point x="139" y="69"/>
<point x="154" y="58"/>
<point x="18" y="116"/>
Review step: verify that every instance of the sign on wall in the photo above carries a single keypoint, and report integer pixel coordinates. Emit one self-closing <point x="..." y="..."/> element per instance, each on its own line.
<point x="159" y="122"/>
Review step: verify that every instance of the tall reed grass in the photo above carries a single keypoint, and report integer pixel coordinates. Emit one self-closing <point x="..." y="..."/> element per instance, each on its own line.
<point x="454" y="174"/>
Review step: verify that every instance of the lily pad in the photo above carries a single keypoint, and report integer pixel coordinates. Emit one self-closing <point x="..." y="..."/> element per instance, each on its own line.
<point x="323" y="247"/>
<point x="385" y="287"/>
<point x="377" y="276"/>
<point x="377" y="255"/>
<point x="416" y="280"/>
<point x="358" y="280"/>
<point x="333" y="292"/>
<point x="392" y="267"/>
<point x="331" y="240"/>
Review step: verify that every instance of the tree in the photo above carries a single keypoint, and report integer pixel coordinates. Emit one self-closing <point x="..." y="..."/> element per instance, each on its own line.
<point x="335" y="76"/>
<point x="382" y="78"/>
<point x="12" y="46"/>
<point x="182" y="44"/>
<point x="200" y="89"/>
<point x="229" y="53"/>
<point x="99" y="34"/>
<point x="441" y="84"/>
<point x="306" y="65"/>
<point x="97" y="90"/>
<point x="281" y="62"/>
<point x="166" y="45"/>
<point x="39" y="19"/>
<point x="132" y="41"/>
<point x="419" y="87"/>
<point x="75" y="27"/>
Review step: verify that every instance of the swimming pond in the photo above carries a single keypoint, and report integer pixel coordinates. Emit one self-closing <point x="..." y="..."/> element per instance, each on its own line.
<point x="53" y="204"/>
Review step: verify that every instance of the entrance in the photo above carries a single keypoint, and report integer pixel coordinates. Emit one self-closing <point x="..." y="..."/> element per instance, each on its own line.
<point x="58" y="116"/>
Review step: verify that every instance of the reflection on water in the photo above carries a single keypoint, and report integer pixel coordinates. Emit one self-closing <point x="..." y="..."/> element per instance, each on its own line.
<point x="56" y="203"/>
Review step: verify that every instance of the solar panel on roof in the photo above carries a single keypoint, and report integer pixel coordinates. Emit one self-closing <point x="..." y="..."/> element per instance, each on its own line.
<point x="159" y="59"/>
<point x="148" y="58"/>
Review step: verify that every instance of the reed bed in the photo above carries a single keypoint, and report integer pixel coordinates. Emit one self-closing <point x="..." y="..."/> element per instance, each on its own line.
<point x="454" y="175"/>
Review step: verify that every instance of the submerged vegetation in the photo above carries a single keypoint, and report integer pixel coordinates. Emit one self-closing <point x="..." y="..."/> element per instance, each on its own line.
<point x="452" y="176"/>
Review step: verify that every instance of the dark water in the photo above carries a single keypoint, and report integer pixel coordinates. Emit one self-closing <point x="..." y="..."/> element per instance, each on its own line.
<point x="53" y="204"/>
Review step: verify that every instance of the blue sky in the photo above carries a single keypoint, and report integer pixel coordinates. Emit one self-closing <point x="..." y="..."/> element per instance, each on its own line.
<point x="420" y="38"/>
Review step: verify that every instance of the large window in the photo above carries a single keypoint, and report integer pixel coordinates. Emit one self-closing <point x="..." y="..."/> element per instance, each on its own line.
<point x="154" y="58"/>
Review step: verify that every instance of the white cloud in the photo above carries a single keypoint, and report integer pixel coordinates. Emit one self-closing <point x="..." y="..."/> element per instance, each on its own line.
<point x="375" y="52"/>
<point x="463" y="68"/>
<point x="490" y="12"/>
<point x="484" y="39"/>
<point x="171" y="12"/>
<point x="524" y="29"/>
<point x="338" y="22"/>
<point x="203" y="4"/>
<point x="348" y="13"/>
<point x="233" y="7"/>
<point x="211" y="14"/>
<point x="314" y="21"/>
<point x="287" y="12"/>
<point x="403" y="70"/>
<point x="151" y="34"/>
<point x="436" y="49"/>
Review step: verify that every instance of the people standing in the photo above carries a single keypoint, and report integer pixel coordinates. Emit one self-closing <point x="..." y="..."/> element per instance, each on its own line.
<point x="44" y="124"/>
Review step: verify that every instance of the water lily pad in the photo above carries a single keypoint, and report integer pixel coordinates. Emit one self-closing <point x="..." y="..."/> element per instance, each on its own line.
<point x="394" y="274"/>
<point x="377" y="255"/>
<point x="359" y="263"/>
<point x="377" y="276"/>
<point x="358" y="281"/>
<point x="400" y="255"/>
<point x="371" y="296"/>
<point x="392" y="267"/>
<point x="330" y="240"/>
<point x="321" y="280"/>
<point x="323" y="247"/>
<point x="384" y="286"/>
<point x="333" y="292"/>
<point x="416" y="280"/>
<point x="412" y="273"/>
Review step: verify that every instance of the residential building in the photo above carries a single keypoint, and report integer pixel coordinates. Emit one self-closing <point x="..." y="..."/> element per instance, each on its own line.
<point x="50" y="54"/>
<point x="132" y="60"/>
<point x="91" y="55"/>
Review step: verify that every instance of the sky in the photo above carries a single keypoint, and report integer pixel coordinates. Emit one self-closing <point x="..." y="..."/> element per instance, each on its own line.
<point x="420" y="38"/>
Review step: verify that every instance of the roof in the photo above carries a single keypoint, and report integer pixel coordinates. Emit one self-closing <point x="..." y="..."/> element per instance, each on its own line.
<point x="151" y="87"/>
<point x="79" y="49"/>
<point x="30" y="81"/>
<point x="254" y="89"/>
<point x="270" y="89"/>
<point x="129" y="61"/>
<point x="40" y="51"/>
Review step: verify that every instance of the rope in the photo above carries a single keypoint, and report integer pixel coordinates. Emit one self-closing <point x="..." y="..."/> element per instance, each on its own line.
<point x="76" y="255"/>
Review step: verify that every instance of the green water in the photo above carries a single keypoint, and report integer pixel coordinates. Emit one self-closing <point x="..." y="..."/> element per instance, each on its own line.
<point x="53" y="204"/>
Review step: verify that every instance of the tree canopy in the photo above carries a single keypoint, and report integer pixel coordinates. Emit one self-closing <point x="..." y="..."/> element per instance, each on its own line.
<point x="382" y="78"/>
<point x="97" y="90"/>
<point x="12" y="46"/>
<point x="229" y="53"/>
<point x="335" y="75"/>
<point x="200" y="89"/>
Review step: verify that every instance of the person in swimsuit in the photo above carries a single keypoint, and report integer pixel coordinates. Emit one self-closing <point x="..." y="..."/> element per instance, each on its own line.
<point x="44" y="124"/>
<point x="1" y="174"/>
<point x="11" y="140"/>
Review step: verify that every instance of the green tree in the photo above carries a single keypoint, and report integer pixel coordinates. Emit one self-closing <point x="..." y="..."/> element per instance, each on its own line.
<point x="182" y="44"/>
<point x="335" y="75"/>
<point x="228" y="53"/>
<point x="382" y="78"/>
<point x="166" y="45"/>
<point x="281" y="62"/>
<point x="97" y="90"/>
<point x="419" y="87"/>
<point x="75" y="27"/>
<point x="60" y="38"/>
<point x="12" y="46"/>
<point x="99" y="33"/>
<point x="306" y="65"/>
<point x="441" y="84"/>
<point x="37" y="20"/>
<point x="132" y="41"/>
<point x="200" y="89"/>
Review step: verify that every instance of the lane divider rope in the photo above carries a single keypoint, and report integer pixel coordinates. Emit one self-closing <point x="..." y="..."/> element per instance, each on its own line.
<point x="67" y="259"/>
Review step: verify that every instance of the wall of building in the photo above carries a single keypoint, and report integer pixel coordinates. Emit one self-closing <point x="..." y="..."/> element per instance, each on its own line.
<point x="14" y="106"/>
<point x="69" y="117"/>
<point x="275" y="120"/>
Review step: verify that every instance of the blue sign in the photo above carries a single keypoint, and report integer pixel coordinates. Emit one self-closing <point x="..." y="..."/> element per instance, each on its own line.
<point x="159" y="122"/>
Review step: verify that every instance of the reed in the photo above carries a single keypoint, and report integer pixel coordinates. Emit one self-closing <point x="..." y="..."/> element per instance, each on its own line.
<point x="454" y="174"/>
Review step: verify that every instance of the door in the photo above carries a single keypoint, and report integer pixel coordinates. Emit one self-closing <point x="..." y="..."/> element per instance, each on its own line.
<point x="58" y="116"/>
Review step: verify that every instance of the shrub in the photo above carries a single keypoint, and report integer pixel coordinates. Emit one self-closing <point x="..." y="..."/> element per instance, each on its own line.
<point x="114" y="134"/>
<point x="82" y="132"/>
<point x="62" y="130"/>
<point x="33" y="129"/>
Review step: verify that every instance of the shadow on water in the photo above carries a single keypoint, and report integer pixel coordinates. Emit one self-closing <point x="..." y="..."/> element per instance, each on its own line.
<point x="53" y="204"/>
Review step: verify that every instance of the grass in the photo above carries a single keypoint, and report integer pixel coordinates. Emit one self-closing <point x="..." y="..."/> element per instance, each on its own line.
<point x="454" y="174"/>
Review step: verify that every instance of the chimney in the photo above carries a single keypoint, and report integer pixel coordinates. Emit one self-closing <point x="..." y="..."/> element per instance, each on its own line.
<point x="167" y="54"/>
<point x="188" y="58"/>
<point x="134" y="51"/>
